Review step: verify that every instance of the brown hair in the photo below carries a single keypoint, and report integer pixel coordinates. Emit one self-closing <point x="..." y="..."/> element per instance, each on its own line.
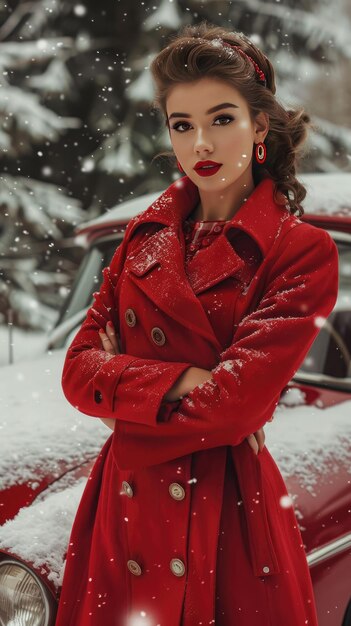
<point x="197" y="51"/>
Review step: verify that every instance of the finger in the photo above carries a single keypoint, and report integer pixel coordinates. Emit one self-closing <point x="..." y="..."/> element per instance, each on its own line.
<point x="260" y="437"/>
<point x="106" y="343"/>
<point x="253" y="443"/>
<point x="110" y="331"/>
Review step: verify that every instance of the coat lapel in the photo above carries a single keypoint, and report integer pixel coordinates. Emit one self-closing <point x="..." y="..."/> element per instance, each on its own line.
<point x="213" y="264"/>
<point x="158" y="270"/>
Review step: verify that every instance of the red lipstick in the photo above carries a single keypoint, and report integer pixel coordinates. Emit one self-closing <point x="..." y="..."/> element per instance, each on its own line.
<point x="207" y="168"/>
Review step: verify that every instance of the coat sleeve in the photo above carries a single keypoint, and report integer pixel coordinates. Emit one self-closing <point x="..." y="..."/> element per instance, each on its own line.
<point x="116" y="386"/>
<point x="269" y="346"/>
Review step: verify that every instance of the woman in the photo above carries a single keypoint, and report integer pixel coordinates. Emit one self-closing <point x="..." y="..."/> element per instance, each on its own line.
<point x="207" y="310"/>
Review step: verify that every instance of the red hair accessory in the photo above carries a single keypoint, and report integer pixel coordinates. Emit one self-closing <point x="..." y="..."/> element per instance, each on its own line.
<point x="258" y="70"/>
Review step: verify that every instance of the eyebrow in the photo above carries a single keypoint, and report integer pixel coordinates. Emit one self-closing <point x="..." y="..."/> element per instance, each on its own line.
<point x="224" y="105"/>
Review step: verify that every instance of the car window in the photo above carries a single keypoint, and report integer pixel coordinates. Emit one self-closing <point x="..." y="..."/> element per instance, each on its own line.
<point x="88" y="278"/>
<point x="330" y="354"/>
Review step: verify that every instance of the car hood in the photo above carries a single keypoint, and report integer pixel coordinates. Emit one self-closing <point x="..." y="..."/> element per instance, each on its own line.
<point x="309" y="439"/>
<point x="41" y="435"/>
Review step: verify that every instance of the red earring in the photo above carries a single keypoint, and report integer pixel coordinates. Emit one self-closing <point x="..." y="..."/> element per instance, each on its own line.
<point x="180" y="167"/>
<point x="260" y="152"/>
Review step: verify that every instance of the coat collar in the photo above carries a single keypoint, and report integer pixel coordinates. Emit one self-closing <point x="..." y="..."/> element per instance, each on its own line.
<point x="259" y="216"/>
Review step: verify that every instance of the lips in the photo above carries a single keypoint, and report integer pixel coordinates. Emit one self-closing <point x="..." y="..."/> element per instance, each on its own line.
<point x="207" y="168"/>
<point x="206" y="165"/>
<point x="208" y="171"/>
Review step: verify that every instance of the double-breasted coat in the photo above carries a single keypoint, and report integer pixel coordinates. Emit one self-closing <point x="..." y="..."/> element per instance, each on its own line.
<point x="144" y="543"/>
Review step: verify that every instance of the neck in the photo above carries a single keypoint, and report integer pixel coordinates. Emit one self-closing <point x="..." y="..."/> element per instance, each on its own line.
<point x="223" y="205"/>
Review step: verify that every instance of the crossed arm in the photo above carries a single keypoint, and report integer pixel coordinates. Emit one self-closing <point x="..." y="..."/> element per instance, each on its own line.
<point x="186" y="382"/>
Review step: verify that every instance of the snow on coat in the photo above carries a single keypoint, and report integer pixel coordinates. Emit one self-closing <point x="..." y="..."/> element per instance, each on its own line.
<point x="144" y="540"/>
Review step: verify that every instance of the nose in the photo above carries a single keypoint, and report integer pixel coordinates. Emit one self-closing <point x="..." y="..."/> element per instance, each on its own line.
<point x="202" y="143"/>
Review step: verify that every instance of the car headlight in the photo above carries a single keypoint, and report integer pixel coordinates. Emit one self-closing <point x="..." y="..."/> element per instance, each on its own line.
<point x="23" y="599"/>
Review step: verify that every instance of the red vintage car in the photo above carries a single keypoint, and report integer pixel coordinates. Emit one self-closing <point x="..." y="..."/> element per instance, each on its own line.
<point x="47" y="448"/>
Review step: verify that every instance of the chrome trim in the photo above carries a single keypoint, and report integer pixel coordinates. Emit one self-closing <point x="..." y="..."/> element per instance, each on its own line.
<point x="329" y="550"/>
<point x="49" y="617"/>
<point x="322" y="380"/>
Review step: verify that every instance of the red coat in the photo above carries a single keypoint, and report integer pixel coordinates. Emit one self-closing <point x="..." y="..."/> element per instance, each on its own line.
<point x="146" y="530"/>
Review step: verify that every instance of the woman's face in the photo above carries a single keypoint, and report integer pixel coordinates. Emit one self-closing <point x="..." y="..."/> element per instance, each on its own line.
<point x="226" y="136"/>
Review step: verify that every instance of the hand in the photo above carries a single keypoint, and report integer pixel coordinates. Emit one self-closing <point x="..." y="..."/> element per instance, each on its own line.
<point x="109" y="339"/>
<point x="256" y="441"/>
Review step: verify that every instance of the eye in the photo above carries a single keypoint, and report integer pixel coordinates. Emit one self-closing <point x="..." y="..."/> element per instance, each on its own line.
<point x="176" y="126"/>
<point x="220" y="117"/>
<point x="224" y="117"/>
